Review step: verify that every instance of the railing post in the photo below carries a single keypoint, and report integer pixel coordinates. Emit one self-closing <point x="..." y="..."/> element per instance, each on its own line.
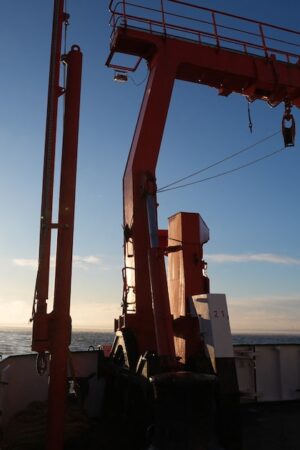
<point x="263" y="40"/>
<point x="124" y="11"/>
<point x="163" y="16"/>
<point x="215" y="28"/>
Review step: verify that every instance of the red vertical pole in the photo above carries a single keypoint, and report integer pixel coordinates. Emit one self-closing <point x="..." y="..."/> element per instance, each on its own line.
<point x="40" y="333"/>
<point x="161" y="307"/>
<point x="159" y="290"/>
<point x="60" y="320"/>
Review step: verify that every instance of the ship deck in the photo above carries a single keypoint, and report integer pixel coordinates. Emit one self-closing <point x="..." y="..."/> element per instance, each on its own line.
<point x="271" y="426"/>
<point x="266" y="425"/>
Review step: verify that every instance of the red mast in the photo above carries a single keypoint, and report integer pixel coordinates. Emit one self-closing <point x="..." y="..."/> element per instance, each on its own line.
<point x="60" y="320"/>
<point x="52" y="332"/>
<point x="40" y="331"/>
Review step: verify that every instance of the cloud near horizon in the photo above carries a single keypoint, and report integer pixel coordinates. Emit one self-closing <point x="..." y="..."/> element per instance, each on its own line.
<point x="84" y="262"/>
<point x="88" y="315"/>
<point x="271" y="313"/>
<point x="274" y="313"/>
<point x="252" y="257"/>
<point x="81" y="262"/>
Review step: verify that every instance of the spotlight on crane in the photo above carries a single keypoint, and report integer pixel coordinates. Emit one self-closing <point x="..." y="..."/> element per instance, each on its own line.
<point x="121" y="77"/>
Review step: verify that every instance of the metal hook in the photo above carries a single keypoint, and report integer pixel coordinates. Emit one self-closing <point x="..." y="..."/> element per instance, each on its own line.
<point x="41" y="363"/>
<point x="288" y="132"/>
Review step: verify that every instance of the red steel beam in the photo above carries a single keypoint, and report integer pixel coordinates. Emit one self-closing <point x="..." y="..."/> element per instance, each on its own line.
<point x="159" y="287"/>
<point x="224" y="69"/>
<point x="161" y="308"/>
<point x="139" y="170"/>
<point x="60" y="321"/>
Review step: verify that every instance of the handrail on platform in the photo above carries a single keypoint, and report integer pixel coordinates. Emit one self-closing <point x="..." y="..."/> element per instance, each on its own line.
<point x="187" y="20"/>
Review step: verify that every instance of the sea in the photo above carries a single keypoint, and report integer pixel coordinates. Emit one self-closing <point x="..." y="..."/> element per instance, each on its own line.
<point x="14" y="341"/>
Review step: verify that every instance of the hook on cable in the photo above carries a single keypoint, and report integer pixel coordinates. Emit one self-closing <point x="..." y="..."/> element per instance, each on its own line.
<point x="250" y="124"/>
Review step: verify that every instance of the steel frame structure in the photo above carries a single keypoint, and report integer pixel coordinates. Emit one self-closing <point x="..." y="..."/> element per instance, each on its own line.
<point x="249" y="66"/>
<point x="157" y="317"/>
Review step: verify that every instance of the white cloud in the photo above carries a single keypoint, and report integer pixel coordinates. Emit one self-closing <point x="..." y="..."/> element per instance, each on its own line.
<point x="87" y="259"/>
<point x="271" y="313"/>
<point x="14" y="312"/>
<point x="81" y="262"/>
<point x="95" y="315"/>
<point x="23" y="262"/>
<point x="89" y="315"/>
<point x="252" y="257"/>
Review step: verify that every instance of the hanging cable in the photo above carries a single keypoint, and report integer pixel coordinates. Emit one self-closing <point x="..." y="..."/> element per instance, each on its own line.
<point x="219" y="162"/>
<point x="139" y="83"/>
<point x="250" y="124"/>
<point x="224" y="173"/>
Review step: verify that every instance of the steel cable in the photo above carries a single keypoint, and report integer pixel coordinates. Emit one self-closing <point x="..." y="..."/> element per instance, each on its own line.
<point x="218" y="162"/>
<point x="225" y="172"/>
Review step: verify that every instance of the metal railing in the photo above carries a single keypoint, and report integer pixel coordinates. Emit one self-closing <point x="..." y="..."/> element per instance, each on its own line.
<point x="189" y="21"/>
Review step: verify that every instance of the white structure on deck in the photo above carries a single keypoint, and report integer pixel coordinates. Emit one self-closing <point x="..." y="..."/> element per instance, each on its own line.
<point x="266" y="372"/>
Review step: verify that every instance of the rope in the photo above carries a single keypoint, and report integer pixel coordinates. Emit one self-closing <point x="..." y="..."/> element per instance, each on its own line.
<point x="250" y="124"/>
<point x="139" y="83"/>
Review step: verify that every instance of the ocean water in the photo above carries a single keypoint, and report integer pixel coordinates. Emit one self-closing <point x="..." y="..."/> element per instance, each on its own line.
<point x="18" y="341"/>
<point x="15" y="341"/>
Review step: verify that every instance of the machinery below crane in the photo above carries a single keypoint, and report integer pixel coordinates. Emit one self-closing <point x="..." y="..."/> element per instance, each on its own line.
<point x="170" y="386"/>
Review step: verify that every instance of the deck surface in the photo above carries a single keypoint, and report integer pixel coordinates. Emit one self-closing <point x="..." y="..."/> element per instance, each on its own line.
<point x="273" y="426"/>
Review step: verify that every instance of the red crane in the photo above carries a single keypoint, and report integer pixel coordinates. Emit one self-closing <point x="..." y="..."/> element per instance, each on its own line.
<point x="181" y="40"/>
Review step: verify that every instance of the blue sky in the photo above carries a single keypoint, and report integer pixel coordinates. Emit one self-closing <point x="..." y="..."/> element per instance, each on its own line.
<point x="253" y="214"/>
